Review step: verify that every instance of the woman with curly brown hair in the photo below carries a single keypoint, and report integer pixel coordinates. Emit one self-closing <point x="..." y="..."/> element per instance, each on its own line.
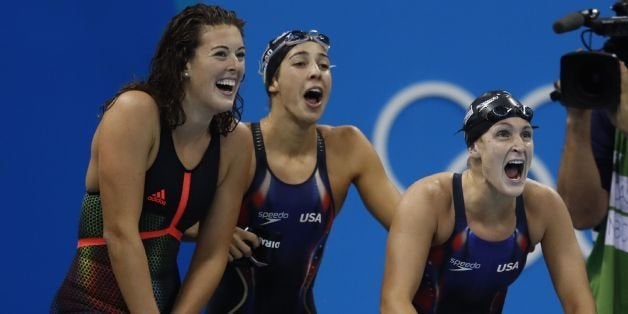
<point x="167" y="153"/>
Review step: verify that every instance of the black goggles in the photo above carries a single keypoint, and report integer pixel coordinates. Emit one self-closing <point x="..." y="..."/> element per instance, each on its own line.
<point x="290" y="38"/>
<point x="498" y="108"/>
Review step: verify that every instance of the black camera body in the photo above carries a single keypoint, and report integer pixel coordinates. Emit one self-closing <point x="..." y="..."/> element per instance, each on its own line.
<point x="592" y="79"/>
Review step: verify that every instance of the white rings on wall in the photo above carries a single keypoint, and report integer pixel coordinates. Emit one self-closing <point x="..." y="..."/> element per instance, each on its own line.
<point x="405" y="98"/>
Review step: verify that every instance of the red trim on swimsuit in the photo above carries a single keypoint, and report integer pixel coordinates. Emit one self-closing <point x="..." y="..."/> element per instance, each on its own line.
<point x="172" y="228"/>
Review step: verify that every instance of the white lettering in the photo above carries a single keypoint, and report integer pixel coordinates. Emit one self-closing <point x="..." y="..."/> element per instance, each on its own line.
<point x="270" y="244"/>
<point x="272" y="215"/>
<point x="459" y="263"/>
<point x="486" y="103"/>
<point x="311" y="217"/>
<point x="507" y="267"/>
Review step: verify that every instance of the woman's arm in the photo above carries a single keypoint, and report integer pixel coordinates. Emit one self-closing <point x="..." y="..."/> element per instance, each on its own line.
<point x="409" y="240"/>
<point x="124" y="142"/>
<point x="377" y="191"/>
<point x="212" y="247"/>
<point x="562" y="254"/>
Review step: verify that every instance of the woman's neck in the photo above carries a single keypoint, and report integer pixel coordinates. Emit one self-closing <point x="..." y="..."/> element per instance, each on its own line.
<point x="482" y="200"/>
<point x="287" y="136"/>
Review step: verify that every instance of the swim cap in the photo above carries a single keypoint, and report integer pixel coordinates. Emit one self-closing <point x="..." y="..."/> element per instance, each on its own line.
<point x="488" y="109"/>
<point x="277" y="49"/>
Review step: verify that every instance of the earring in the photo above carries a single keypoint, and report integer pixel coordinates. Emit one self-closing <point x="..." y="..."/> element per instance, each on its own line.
<point x="186" y="74"/>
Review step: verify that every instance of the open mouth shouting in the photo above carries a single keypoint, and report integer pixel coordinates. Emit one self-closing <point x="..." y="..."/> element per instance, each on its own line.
<point x="313" y="97"/>
<point x="514" y="169"/>
<point x="226" y="86"/>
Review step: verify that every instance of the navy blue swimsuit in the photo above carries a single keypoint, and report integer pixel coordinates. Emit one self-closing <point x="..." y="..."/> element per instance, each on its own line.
<point x="299" y="218"/>
<point x="467" y="274"/>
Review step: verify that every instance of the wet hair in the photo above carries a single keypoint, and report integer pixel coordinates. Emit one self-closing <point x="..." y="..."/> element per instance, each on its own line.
<point x="488" y="109"/>
<point x="176" y="47"/>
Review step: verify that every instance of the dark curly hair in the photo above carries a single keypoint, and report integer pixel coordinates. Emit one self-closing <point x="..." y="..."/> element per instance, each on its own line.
<point x="175" y="49"/>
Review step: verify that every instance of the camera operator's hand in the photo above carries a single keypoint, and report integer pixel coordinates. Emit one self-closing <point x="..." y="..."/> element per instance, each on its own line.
<point x="621" y="118"/>
<point x="585" y="198"/>
<point x="575" y="115"/>
<point x="576" y="118"/>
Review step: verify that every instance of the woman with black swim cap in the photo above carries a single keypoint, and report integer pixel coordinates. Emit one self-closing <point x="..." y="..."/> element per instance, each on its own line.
<point x="450" y="252"/>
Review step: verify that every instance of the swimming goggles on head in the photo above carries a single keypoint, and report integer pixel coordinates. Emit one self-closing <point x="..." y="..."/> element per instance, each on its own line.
<point x="290" y="38"/>
<point x="499" y="107"/>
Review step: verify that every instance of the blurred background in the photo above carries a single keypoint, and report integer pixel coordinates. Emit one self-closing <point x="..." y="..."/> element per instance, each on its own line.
<point x="405" y="70"/>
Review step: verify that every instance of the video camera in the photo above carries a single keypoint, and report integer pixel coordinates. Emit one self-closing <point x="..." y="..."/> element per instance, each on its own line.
<point x="591" y="78"/>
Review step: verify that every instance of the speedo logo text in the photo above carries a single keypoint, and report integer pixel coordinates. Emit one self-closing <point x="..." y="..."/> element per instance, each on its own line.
<point x="463" y="266"/>
<point x="272" y="217"/>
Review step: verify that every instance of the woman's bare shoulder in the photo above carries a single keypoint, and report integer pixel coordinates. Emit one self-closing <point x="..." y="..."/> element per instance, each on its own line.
<point x="436" y="187"/>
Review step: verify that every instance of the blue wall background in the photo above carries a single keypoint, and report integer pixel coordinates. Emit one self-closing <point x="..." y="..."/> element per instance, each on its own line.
<point x="61" y="59"/>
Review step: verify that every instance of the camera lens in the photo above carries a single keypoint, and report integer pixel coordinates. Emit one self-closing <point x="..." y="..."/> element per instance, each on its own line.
<point x="590" y="80"/>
